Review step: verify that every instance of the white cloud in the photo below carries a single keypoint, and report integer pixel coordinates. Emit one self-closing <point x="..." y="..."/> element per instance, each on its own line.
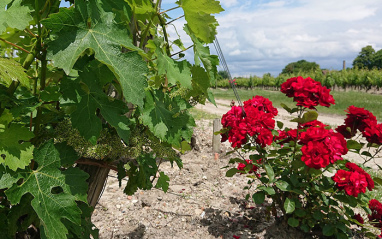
<point x="228" y="3"/>
<point x="274" y="33"/>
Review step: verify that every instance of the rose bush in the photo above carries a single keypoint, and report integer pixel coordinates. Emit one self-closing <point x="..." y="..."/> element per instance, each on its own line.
<point x="303" y="170"/>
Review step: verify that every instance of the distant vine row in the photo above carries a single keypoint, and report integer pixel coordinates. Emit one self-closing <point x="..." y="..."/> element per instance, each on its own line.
<point x="356" y="79"/>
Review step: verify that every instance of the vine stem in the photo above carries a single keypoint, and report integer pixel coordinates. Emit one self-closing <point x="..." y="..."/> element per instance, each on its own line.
<point x="29" y="31"/>
<point x="181" y="51"/>
<point x="169" y="9"/>
<point x="12" y="44"/>
<point x="174" y="20"/>
<point x="163" y="25"/>
<point x="96" y="163"/>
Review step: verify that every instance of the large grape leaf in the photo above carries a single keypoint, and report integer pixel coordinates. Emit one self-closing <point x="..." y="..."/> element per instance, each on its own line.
<point x="200" y="84"/>
<point x="84" y="118"/>
<point x="202" y="54"/>
<point x="15" y="151"/>
<point x="15" y="16"/>
<point x="167" y="118"/>
<point x="87" y="229"/>
<point x="86" y="26"/>
<point x="175" y="71"/>
<point x="140" y="175"/>
<point x="141" y="6"/>
<point x="198" y="17"/>
<point x="7" y="177"/>
<point x="10" y="71"/>
<point x="55" y="191"/>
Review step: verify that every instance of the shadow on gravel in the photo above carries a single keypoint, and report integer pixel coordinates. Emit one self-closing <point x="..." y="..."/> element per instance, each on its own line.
<point x="137" y="233"/>
<point x="246" y="223"/>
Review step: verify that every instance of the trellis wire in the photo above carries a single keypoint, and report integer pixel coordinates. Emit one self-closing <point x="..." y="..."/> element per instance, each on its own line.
<point x="225" y="67"/>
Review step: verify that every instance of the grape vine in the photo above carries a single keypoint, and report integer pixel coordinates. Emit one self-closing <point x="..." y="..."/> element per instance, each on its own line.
<point x="95" y="85"/>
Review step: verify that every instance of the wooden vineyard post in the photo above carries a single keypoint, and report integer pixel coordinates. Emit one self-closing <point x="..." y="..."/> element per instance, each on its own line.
<point x="216" y="138"/>
<point x="97" y="180"/>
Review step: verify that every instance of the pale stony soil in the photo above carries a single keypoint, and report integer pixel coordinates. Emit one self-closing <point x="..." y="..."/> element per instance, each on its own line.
<point x="200" y="203"/>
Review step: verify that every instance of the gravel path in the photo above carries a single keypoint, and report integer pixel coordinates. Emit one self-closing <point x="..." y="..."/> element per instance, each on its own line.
<point x="200" y="203"/>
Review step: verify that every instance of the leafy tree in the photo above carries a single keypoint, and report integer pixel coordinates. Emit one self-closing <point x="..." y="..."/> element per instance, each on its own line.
<point x="88" y="89"/>
<point x="377" y="59"/>
<point x="223" y="75"/>
<point x="300" y="66"/>
<point x="365" y="58"/>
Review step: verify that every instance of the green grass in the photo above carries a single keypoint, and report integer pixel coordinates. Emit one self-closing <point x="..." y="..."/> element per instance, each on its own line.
<point x="371" y="102"/>
<point x="200" y="114"/>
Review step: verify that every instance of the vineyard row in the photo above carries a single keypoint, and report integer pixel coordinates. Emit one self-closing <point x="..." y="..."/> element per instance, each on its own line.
<point x="351" y="78"/>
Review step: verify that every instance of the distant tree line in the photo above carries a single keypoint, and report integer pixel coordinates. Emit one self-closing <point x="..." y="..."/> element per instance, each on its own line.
<point x="367" y="59"/>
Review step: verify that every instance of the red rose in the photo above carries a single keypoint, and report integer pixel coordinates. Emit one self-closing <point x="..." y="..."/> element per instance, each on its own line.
<point x="232" y="117"/>
<point x="355" y="168"/>
<point x="261" y="103"/>
<point x="264" y="138"/>
<point x="315" y="155"/>
<point x="237" y="136"/>
<point x="307" y="92"/>
<point x="373" y="134"/>
<point x="357" y="119"/>
<point x="325" y="97"/>
<point x="354" y="181"/>
<point x="337" y="146"/>
<point x="359" y="218"/>
<point x="342" y="178"/>
<point x="343" y="129"/>
<point x="376" y="213"/>
<point x="313" y="123"/>
<point x="241" y="166"/>
<point x="357" y="184"/>
<point x="314" y="134"/>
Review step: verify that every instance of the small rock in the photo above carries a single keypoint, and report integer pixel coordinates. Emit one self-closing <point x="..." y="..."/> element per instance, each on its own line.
<point x="118" y="206"/>
<point x="159" y="198"/>
<point x="134" y="201"/>
<point x="204" y="177"/>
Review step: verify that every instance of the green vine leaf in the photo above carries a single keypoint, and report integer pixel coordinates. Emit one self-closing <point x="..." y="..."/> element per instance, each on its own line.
<point x="163" y="181"/>
<point x="140" y="175"/>
<point x="167" y="118"/>
<point x="14" y="16"/>
<point x="85" y="119"/>
<point x="198" y="17"/>
<point x="7" y="178"/>
<point x="15" y="151"/>
<point x="11" y="70"/>
<point x="175" y="71"/>
<point x="202" y="54"/>
<point x="87" y="228"/>
<point x="76" y="30"/>
<point x="55" y="191"/>
<point x="200" y="85"/>
<point x="141" y="6"/>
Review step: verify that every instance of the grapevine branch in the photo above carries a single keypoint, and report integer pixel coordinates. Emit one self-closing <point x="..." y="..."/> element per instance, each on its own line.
<point x="181" y="51"/>
<point x="169" y="9"/>
<point x="29" y="31"/>
<point x="96" y="163"/>
<point x="174" y="20"/>
<point x="12" y="44"/>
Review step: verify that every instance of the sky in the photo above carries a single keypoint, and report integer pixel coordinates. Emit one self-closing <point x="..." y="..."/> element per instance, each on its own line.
<point x="263" y="36"/>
